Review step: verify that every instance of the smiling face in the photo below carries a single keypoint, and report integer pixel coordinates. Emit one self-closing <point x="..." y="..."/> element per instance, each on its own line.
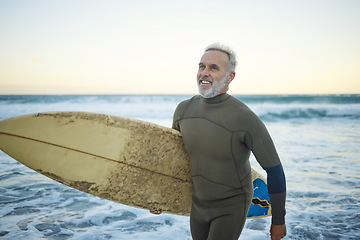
<point x="213" y="77"/>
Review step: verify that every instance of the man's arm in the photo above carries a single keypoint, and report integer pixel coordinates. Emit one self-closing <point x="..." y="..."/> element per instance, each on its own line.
<point x="277" y="191"/>
<point x="262" y="146"/>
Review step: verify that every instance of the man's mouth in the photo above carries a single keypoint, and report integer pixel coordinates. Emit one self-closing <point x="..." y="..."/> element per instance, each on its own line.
<point x="204" y="82"/>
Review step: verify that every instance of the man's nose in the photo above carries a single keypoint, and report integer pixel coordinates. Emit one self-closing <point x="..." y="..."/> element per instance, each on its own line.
<point x="205" y="72"/>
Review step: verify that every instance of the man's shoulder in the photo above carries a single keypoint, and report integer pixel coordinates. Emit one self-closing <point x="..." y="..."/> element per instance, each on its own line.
<point x="240" y="109"/>
<point x="237" y="103"/>
<point x="187" y="101"/>
<point x="181" y="107"/>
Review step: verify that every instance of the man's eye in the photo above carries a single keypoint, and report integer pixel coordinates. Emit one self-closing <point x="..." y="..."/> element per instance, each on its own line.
<point x="201" y="67"/>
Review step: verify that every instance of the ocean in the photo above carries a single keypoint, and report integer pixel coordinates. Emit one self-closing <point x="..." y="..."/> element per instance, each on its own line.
<point x="317" y="138"/>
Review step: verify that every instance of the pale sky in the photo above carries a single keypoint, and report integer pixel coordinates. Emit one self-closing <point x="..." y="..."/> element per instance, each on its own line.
<point x="154" y="47"/>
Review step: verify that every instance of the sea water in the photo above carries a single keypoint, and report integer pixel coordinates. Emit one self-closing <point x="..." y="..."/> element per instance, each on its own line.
<point x="317" y="138"/>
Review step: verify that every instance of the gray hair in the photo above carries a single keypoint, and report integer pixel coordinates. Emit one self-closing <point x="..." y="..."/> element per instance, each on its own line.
<point x="225" y="49"/>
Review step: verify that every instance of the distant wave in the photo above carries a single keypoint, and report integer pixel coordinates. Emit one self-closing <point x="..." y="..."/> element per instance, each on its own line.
<point x="250" y="99"/>
<point x="302" y="99"/>
<point x="268" y="107"/>
<point x="309" y="113"/>
<point x="284" y="107"/>
<point x="49" y="99"/>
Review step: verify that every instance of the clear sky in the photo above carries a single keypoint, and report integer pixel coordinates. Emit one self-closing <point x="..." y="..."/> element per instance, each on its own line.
<point x="154" y="47"/>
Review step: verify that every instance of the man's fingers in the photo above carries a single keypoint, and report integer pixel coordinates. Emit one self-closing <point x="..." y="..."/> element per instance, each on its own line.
<point x="156" y="212"/>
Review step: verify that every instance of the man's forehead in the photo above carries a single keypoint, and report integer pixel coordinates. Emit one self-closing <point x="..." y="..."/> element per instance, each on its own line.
<point x="215" y="56"/>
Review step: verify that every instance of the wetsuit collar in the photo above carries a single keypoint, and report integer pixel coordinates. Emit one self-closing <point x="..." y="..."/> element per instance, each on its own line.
<point x="217" y="99"/>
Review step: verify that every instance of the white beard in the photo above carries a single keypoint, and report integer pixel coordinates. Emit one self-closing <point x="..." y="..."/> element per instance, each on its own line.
<point x="216" y="88"/>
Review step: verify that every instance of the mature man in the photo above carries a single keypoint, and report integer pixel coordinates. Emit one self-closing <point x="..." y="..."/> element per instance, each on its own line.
<point x="219" y="133"/>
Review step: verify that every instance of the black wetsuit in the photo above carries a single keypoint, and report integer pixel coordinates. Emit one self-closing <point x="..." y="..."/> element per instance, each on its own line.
<point x="219" y="133"/>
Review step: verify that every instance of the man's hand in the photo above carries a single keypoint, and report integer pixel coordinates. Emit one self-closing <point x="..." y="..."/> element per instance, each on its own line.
<point x="156" y="212"/>
<point x="277" y="232"/>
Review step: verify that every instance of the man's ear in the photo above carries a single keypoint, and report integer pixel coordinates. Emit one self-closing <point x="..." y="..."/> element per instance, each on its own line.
<point x="231" y="77"/>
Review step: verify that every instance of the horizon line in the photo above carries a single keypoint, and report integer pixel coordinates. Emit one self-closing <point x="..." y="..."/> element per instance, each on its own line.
<point x="162" y="94"/>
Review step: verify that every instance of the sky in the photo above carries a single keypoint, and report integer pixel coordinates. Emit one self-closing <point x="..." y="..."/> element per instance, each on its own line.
<point x="154" y="47"/>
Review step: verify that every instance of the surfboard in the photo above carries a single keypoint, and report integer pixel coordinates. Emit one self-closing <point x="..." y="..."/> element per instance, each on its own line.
<point x="124" y="160"/>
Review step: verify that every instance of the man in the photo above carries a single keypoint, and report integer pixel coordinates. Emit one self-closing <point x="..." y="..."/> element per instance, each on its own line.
<point x="219" y="132"/>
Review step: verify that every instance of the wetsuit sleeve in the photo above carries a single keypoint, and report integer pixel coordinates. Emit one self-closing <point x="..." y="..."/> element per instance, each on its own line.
<point x="265" y="153"/>
<point x="277" y="191"/>
<point x="178" y="114"/>
<point x="175" y="124"/>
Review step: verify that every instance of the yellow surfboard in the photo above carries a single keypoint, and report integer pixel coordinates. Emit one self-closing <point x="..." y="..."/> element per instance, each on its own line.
<point x="124" y="160"/>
